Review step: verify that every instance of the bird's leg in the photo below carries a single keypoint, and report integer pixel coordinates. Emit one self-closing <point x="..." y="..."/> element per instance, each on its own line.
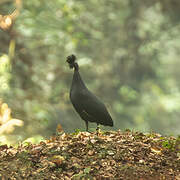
<point x="86" y="126"/>
<point x="97" y="129"/>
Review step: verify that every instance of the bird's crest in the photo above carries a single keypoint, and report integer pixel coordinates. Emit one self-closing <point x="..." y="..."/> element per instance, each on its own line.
<point x="71" y="60"/>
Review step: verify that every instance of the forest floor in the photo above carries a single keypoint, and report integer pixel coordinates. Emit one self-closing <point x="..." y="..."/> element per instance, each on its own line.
<point x="83" y="155"/>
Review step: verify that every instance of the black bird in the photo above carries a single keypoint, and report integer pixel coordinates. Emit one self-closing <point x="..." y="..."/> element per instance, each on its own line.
<point x="87" y="105"/>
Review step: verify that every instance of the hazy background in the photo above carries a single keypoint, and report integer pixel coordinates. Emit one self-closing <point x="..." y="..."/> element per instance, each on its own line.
<point x="128" y="52"/>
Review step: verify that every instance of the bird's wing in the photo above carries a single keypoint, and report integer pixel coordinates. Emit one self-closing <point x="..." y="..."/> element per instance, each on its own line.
<point x="94" y="108"/>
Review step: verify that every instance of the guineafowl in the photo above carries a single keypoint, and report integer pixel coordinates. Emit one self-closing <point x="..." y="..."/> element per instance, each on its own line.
<point x="87" y="105"/>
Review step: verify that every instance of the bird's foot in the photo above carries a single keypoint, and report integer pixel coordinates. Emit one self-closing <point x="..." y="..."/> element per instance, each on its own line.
<point x="97" y="130"/>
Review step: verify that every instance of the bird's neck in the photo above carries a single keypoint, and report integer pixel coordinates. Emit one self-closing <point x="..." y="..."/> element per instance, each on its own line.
<point x="77" y="80"/>
<point x="76" y="66"/>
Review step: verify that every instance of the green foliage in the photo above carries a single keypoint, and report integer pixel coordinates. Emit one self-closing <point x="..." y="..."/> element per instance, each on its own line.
<point x="84" y="175"/>
<point x="128" y="53"/>
<point x="34" y="139"/>
<point x="5" y="75"/>
<point x="168" y="144"/>
<point x="172" y="144"/>
<point x="76" y="131"/>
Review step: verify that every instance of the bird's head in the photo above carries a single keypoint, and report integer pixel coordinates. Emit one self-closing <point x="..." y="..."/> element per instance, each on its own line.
<point x="71" y="61"/>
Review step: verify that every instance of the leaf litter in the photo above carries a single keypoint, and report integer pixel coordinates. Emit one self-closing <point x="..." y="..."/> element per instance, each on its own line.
<point x="83" y="155"/>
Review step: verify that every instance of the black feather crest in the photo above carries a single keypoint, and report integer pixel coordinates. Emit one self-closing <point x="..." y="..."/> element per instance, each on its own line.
<point x="71" y="60"/>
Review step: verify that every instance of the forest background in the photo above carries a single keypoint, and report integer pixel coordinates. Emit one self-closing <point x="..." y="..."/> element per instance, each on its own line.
<point x="128" y="52"/>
